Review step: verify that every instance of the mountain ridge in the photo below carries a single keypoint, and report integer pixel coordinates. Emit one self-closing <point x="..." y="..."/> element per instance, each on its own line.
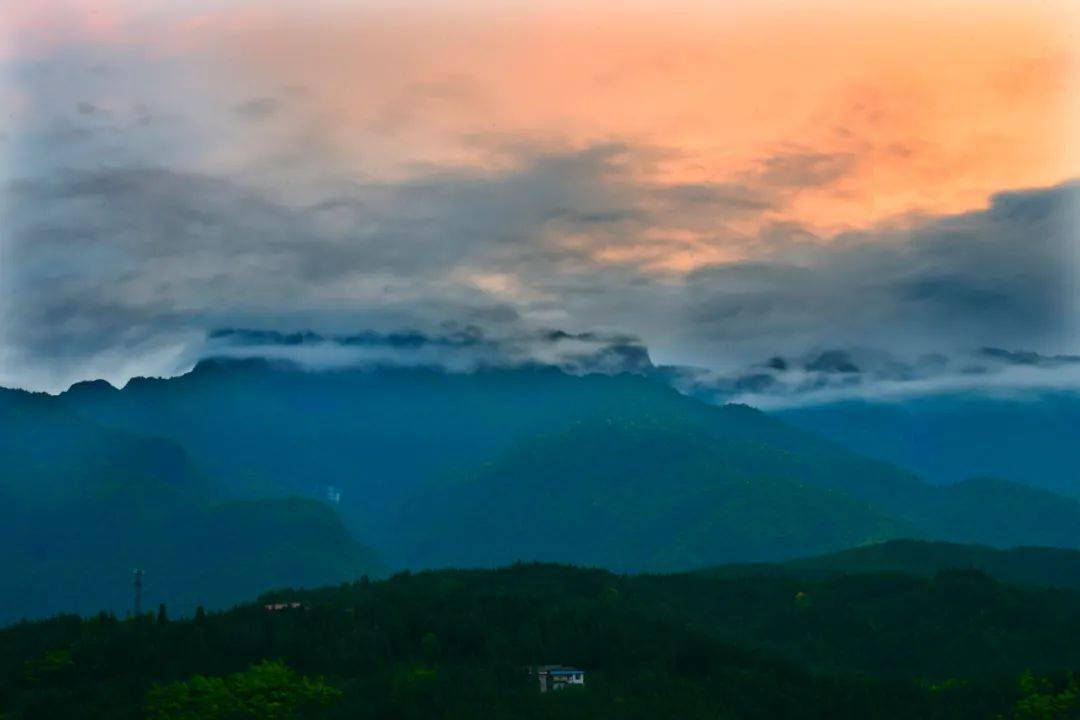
<point x="428" y="468"/>
<point x="83" y="504"/>
<point x="382" y="436"/>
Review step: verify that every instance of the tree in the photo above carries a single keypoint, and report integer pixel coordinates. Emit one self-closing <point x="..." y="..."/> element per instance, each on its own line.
<point x="430" y="649"/>
<point x="1043" y="701"/>
<point x="266" y="691"/>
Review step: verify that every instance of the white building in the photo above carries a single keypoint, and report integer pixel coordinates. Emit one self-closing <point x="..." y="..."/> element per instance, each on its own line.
<point x="557" y="677"/>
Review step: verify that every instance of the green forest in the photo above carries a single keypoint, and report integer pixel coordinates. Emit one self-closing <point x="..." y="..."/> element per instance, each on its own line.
<point x="458" y="644"/>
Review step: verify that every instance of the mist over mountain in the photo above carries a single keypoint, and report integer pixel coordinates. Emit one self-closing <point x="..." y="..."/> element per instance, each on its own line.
<point x="813" y="376"/>
<point x="989" y="412"/>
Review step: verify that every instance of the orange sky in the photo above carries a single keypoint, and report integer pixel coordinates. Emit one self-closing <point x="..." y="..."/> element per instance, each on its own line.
<point x="913" y="107"/>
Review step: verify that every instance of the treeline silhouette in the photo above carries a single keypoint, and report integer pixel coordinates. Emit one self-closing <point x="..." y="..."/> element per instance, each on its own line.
<point x="456" y="644"/>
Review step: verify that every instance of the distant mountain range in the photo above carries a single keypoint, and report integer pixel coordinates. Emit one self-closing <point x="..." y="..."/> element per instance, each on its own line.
<point x="944" y="438"/>
<point x="243" y="463"/>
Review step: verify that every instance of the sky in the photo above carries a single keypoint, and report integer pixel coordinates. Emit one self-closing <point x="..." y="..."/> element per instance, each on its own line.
<point x="726" y="190"/>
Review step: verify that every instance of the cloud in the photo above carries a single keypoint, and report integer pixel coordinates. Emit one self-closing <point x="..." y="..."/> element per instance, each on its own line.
<point x="259" y="108"/>
<point x="1016" y="382"/>
<point x="133" y="233"/>
<point x="460" y="349"/>
<point x="145" y="261"/>
<point x="1027" y="357"/>
<point x="421" y="99"/>
<point x="611" y="360"/>
<point x="811" y="378"/>
<point x="832" y="361"/>
<point x="806" y="169"/>
<point x="1003" y="275"/>
<point x="879" y="376"/>
<point x="470" y="336"/>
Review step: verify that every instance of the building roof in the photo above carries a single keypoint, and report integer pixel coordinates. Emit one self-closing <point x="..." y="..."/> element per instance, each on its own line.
<point x="559" y="670"/>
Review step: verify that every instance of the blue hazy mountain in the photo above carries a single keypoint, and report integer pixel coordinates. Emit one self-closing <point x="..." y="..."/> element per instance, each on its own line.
<point x="1030" y="439"/>
<point x="437" y="468"/>
<point x="82" y="505"/>
<point x="635" y="494"/>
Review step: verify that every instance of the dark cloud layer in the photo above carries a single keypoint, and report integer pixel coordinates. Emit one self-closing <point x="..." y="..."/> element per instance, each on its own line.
<point x="125" y="249"/>
<point x="458" y="348"/>
<point x="1004" y="275"/>
<point x="1027" y="357"/>
<point x="142" y="262"/>
<point x="468" y="337"/>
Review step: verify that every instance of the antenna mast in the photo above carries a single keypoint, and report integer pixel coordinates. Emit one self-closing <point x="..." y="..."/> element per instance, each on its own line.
<point x="137" y="606"/>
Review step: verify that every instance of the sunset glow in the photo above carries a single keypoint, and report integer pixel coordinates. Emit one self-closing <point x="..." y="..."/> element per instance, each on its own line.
<point x="659" y="139"/>
<point x="848" y="115"/>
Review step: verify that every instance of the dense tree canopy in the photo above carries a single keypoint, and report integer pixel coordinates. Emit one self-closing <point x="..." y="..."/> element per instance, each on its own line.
<point x="456" y="644"/>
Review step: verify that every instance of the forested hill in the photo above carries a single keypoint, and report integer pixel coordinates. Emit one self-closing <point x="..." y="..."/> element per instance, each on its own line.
<point x="501" y="464"/>
<point x="1047" y="567"/>
<point x="455" y="644"/>
<point x="83" y="504"/>
<point x="1034" y="566"/>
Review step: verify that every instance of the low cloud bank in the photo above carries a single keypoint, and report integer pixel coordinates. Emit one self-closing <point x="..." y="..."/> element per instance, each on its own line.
<point x="464" y="349"/>
<point x="862" y="374"/>
<point x="120" y="273"/>
<point x="809" y="378"/>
